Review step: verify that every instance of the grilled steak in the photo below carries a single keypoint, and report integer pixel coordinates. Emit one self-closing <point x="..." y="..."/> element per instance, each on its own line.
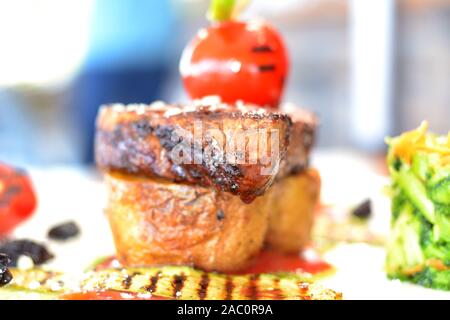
<point x="237" y="149"/>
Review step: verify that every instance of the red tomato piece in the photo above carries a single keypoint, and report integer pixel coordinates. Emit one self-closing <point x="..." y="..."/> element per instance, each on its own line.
<point x="17" y="198"/>
<point x="237" y="61"/>
<point x="109" y="295"/>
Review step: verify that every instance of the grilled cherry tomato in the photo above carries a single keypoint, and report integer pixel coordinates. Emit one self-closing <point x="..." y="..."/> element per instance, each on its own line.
<point x="237" y="61"/>
<point x="17" y="198"/>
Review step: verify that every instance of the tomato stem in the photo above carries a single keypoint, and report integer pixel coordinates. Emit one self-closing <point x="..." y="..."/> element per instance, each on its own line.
<point x="223" y="10"/>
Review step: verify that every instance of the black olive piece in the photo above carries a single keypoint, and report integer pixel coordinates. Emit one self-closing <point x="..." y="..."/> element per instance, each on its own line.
<point x="5" y="274"/>
<point x="64" y="231"/>
<point x="5" y="261"/>
<point x="16" y="248"/>
<point x="5" y="278"/>
<point x="363" y="210"/>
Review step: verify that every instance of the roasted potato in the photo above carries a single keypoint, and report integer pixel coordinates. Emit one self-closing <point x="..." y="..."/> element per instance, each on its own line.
<point x="158" y="222"/>
<point x="291" y="217"/>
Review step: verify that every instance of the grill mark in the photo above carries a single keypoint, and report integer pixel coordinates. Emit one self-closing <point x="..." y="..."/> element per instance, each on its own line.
<point x="126" y="283"/>
<point x="303" y="290"/>
<point x="229" y="287"/>
<point x="266" y="68"/>
<point x="203" y="286"/>
<point x="262" y="48"/>
<point x="12" y="190"/>
<point x="177" y="284"/>
<point x="153" y="282"/>
<point x="253" y="287"/>
<point x="277" y="293"/>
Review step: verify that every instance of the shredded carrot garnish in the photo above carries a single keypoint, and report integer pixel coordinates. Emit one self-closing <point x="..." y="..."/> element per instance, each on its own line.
<point x="413" y="270"/>
<point x="409" y="143"/>
<point x="433" y="263"/>
<point x="437" y="264"/>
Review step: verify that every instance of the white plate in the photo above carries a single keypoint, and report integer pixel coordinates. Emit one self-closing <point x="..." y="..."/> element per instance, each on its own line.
<point x="78" y="194"/>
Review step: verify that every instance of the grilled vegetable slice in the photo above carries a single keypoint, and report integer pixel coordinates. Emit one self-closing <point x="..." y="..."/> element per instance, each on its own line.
<point x="179" y="283"/>
<point x="21" y="294"/>
<point x="188" y="283"/>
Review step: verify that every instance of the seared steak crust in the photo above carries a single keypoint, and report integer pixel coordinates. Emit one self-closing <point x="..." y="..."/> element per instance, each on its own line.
<point x="141" y="140"/>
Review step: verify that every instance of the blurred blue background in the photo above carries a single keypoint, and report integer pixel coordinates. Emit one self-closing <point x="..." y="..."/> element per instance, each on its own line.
<point x="368" y="68"/>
